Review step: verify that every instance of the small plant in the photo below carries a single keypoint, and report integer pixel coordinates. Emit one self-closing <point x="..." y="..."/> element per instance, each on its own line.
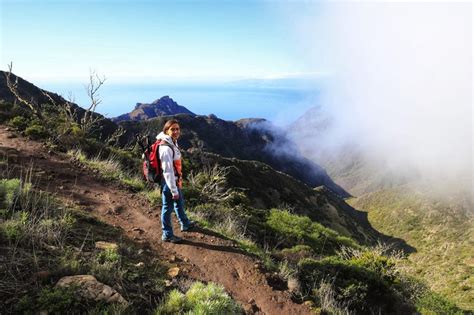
<point x="12" y="229"/>
<point x="19" y="122"/>
<point x="52" y="300"/>
<point x="135" y="183"/>
<point x="36" y="132"/>
<point x="211" y="182"/>
<point x="153" y="196"/>
<point x="433" y="303"/>
<point x="199" y="299"/>
<point x="9" y="191"/>
<point x="108" y="255"/>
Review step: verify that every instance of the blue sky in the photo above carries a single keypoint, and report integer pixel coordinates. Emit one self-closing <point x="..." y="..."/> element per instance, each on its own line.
<point x="153" y="40"/>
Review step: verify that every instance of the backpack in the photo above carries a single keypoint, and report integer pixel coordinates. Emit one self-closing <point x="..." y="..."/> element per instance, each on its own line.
<point x="152" y="171"/>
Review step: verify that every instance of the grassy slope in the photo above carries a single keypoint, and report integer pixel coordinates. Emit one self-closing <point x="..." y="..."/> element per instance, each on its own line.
<point x="442" y="233"/>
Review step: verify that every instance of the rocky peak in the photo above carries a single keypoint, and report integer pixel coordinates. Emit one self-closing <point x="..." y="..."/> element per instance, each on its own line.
<point x="164" y="106"/>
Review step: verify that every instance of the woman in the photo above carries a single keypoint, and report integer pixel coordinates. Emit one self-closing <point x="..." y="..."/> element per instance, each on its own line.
<point x="171" y="182"/>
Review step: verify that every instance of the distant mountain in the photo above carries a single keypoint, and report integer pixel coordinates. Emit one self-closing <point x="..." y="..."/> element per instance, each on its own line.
<point x="164" y="106"/>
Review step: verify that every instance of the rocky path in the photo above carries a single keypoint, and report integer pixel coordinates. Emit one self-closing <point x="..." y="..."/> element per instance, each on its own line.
<point x="204" y="255"/>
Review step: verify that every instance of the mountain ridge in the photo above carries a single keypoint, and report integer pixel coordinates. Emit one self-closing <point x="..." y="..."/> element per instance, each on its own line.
<point x="163" y="106"/>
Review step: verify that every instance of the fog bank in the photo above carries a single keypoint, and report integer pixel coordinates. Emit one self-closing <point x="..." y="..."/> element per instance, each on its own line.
<point x="400" y="85"/>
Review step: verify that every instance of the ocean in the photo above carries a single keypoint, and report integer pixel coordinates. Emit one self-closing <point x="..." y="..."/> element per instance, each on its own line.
<point x="281" y="105"/>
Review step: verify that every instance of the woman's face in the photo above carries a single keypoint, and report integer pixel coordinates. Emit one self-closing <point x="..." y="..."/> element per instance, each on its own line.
<point x="174" y="131"/>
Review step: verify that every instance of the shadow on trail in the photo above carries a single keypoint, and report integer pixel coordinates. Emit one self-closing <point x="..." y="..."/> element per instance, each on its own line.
<point x="221" y="248"/>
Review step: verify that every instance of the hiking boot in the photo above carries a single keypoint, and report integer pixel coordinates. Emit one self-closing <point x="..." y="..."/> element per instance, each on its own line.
<point x="173" y="239"/>
<point x="190" y="227"/>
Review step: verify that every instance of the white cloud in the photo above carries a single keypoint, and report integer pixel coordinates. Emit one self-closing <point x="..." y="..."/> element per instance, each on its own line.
<point x="402" y="81"/>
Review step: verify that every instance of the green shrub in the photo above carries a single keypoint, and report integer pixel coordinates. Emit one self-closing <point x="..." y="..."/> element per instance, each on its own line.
<point x="295" y="253"/>
<point x="431" y="303"/>
<point x="70" y="261"/>
<point x="13" y="229"/>
<point x="153" y="196"/>
<point x="9" y="191"/>
<point x="134" y="183"/>
<point x="108" y="255"/>
<point x="6" y="111"/>
<point x="54" y="301"/>
<point x="36" y="132"/>
<point x="356" y="286"/>
<point x="19" y="122"/>
<point x="290" y="229"/>
<point x="199" y="299"/>
<point x="193" y="196"/>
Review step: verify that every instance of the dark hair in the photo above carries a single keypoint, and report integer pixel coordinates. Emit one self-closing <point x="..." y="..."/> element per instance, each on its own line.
<point x="168" y="125"/>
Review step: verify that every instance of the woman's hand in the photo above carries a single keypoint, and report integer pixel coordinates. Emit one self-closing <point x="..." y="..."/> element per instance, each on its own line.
<point x="176" y="196"/>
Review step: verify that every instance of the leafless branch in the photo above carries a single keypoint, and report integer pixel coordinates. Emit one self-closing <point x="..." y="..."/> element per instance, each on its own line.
<point x="13" y="87"/>
<point x="89" y="121"/>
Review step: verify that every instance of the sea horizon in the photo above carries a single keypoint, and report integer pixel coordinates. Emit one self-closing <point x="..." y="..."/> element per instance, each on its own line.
<point x="278" y="103"/>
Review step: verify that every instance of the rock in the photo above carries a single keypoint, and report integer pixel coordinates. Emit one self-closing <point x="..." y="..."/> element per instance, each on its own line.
<point x="173" y="272"/>
<point x="248" y="308"/>
<point x="251" y="308"/>
<point x="186" y="259"/>
<point x="172" y="258"/>
<point x="51" y="248"/>
<point x="116" y="209"/>
<point x="309" y="303"/>
<point x="88" y="287"/>
<point x="293" y="285"/>
<point x="140" y="264"/>
<point x="139" y="230"/>
<point x="105" y="245"/>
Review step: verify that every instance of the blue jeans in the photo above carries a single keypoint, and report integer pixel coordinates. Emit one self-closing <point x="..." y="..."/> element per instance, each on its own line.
<point x="168" y="206"/>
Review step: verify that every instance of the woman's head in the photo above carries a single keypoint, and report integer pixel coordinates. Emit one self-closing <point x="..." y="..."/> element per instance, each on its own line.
<point x="171" y="128"/>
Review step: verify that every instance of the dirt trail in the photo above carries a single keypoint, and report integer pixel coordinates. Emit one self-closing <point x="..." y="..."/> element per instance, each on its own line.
<point x="204" y="255"/>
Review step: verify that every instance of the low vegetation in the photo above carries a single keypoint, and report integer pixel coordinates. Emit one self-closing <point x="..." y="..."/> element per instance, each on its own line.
<point x="442" y="233"/>
<point x="43" y="240"/>
<point x="199" y="299"/>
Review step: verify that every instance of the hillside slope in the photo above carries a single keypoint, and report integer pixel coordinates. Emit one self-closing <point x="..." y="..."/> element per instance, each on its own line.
<point x="197" y="257"/>
<point x="441" y="231"/>
<point x="435" y="218"/>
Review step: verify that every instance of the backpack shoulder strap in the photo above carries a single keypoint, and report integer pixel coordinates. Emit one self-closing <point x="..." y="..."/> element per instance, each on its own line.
<point x="164" y="143"/>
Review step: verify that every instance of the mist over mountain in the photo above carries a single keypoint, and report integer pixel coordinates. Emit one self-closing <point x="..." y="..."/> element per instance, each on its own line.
<point x="163" y="106"/>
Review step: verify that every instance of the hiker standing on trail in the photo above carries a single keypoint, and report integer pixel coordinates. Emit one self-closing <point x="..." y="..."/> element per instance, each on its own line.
<point x="171" y="182"/>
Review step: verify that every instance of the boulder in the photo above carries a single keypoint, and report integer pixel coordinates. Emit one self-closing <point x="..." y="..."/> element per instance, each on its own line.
<point x="90" y="288"/>
<point x="105" y="245"/>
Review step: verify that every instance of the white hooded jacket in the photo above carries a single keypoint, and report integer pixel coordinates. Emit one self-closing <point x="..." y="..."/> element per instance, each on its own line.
<point x="167" y="161"/>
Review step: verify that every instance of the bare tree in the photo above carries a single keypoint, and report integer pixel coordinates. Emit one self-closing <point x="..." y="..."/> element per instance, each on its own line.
<point x="13" y="87"/>
<point x="90" y="119"/>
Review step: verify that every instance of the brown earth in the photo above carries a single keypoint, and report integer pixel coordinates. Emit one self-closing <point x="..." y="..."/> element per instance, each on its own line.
<point x="203" y="256"/>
